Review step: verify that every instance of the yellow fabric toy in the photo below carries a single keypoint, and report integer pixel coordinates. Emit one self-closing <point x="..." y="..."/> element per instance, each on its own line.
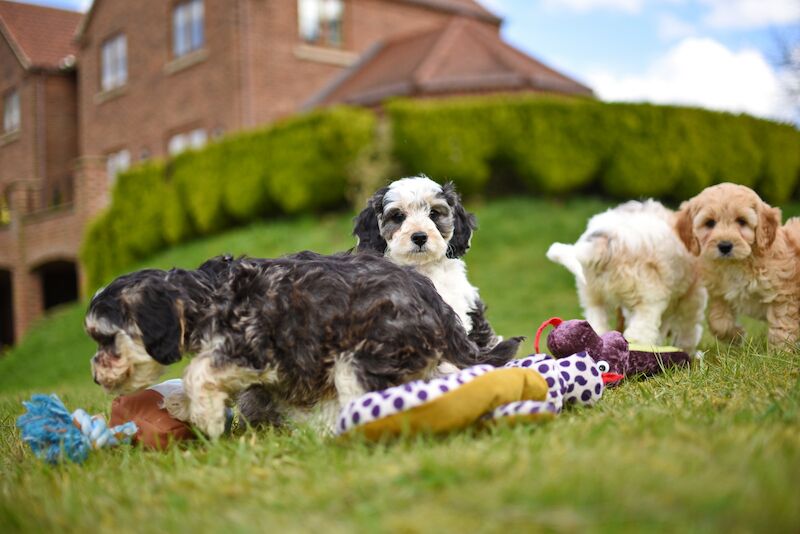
<point x="529" y="389"/>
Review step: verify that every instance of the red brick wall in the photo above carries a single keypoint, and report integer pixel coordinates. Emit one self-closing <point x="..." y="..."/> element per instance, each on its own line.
<point x="17" y="153"/>
<point x="61" y="130"/>
<point x="155" y="102"/>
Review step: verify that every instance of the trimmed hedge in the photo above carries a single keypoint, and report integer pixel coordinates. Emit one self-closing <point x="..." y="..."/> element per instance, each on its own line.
<point x="521" y="144"/>
<point x="560" y="146"/>
<point x="300" y="165"/>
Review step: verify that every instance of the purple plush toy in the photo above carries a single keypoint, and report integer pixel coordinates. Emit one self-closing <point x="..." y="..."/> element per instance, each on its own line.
<point x="570" y="337"/>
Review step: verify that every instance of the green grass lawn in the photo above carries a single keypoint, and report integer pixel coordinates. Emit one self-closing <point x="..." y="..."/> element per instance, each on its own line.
<point x="714" y="448"/>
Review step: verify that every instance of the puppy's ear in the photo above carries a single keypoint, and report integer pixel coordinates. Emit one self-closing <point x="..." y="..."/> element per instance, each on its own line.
<point x="769" y="219"/>
<point x="464" y="223"/>
<point x="155" y="308"/>
<point x="366" y="227"/>
<point x="684" y="225"/>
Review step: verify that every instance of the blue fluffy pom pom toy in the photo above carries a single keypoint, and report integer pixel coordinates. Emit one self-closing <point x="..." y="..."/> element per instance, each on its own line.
<point x="54" y="434"/>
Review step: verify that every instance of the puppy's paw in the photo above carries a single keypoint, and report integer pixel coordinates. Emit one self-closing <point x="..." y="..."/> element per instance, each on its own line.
<point x="735" y="336"/>
<point x="211" y="426"/>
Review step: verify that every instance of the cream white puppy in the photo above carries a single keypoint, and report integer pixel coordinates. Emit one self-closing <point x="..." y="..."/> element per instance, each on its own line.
<point x="631" y="258"/>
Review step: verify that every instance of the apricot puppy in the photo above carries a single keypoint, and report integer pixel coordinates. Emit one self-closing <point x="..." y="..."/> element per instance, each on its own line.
<point x="749" y="263"/>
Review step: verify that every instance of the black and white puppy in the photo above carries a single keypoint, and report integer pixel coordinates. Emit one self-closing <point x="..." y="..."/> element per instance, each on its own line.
<point x="146" y="320"/>
<point x="419" y="223"/>
<point x="313" y="331"/>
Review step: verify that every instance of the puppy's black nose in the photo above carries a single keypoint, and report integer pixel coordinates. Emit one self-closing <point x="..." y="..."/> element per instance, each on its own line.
<point x="419" y="238"/>
<point x="725" y="247"/>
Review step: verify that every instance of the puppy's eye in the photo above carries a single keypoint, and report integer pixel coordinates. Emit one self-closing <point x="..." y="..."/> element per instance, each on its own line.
<point x="397" y="218"/>
<point x="711" y="223"/>
<point x="741" y="221"/>
<point x="435" y="215"/>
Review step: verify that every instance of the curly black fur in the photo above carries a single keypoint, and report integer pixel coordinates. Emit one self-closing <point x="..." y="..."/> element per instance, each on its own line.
<point x="482" y="333"/>
<point x="464" y="223"/>
<point x="297" y="317"/>
<point x="366" y="227"/>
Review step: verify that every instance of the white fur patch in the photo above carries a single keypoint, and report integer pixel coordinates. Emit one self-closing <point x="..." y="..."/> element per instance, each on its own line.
<point x="209" y="388"/>
<point x="630" y="257"/>
<point x="449" y="277"/>
<point x="132" y="370"/>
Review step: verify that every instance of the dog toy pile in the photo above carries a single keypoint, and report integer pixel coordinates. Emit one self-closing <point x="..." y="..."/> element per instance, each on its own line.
<point x="54" y="434"/>
<point x="138" y="419"/>
<point x="157" y="428"/>
<point x="569" y="337"/>
<point x="529" y="389"/>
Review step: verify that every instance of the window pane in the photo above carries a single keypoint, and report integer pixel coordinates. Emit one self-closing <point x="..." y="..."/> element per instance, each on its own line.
<point x="176" y="144"/>
<point x="198" y="16"/>
<point x="333" y="21"/>
<point x="123" y="60"/>
<point x="116" y="163"/>
<point x="177" y="31"/>
<point x="309" y="19"/>
<point x="11" y="112"/>
<point x="106" y="66"/>
<point x="123" y="161"/>
<point x="320" y="21"/>
<point x="15" y="111"/>
<point x="197" y="138"/>
<point x="188" y="27"/>
<point x="114" y="69"/>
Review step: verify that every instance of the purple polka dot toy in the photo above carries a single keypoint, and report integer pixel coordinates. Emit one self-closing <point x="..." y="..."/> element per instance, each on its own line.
<point x="577" y="379"/>
<point x="571" y="381"/>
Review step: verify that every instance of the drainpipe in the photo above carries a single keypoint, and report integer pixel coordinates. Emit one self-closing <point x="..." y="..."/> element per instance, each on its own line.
<point x="41" y="139"/>
<point x="245" y="82"/>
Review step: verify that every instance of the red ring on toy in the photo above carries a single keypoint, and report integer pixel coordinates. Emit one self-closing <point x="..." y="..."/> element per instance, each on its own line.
<point x="554" y="322"/>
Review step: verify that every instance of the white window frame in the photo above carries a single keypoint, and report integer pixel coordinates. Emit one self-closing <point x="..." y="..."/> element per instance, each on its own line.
<point x="188" y="27"/>
<point x="116" y="163"/>
<point x="320" y="22"/>
<point x="114" y="62"/>
<point x="12" y="116"/>
<point x="194" y="139"/>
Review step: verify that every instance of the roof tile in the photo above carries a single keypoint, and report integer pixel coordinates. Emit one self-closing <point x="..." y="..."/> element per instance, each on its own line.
<point x="42" y="35"/>
<point x="461" y="57"/>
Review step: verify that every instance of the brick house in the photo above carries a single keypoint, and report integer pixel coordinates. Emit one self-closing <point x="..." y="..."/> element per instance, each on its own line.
<point x="87" y="95"/>
<point x="41" y="226"/>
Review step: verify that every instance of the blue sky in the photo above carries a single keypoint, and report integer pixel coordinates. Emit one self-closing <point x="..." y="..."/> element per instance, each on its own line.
<point x="712" y="53"/>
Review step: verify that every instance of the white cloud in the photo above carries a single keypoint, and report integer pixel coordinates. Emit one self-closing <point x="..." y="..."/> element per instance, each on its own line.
<point x="671" y="28"/>
<point x="751" y="13"/>
<point x="584" y="6"/>
<point x="702" y="72"/>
